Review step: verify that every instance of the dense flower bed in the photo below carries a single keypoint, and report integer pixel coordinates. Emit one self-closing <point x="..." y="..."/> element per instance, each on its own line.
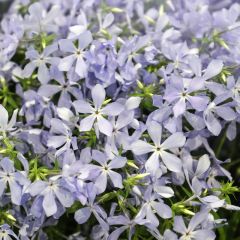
<point x="108" y="112"/>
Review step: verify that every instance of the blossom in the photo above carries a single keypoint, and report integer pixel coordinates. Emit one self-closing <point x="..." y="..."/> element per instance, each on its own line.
<point x="180" y="90"/>
<point x="193" y="231"/>
<point x="153" y="204"/>
<point x="106" y="169"/>
<point x="172" y="162"/>
<point x="49" y="192"/>
<point x="40" y="19"/>
<point x="64" y="138"/>
<point x="97" y="112"/>
<point x="12" y="178"/>
<point x="83" y="214"/>
<point x="77" y="54"/>
<point x="7" y="233"/>
<point x="40" y="62"/>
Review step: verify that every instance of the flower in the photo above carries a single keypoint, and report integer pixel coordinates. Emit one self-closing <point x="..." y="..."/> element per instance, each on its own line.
<point x="153" y="204"/>
<point x="172" y="162"/>
<point x="83" y="214"/>
<point x="106" y="169"/>
<point x="40" y="62"/>
<point x="7" y="233"/>
<point x="193" y="231"/>
<point x="77" y="54"/>
<point x="15" y="180"/>
<point x="63" y="139"/>
<point x="50" y="192"/>
<point x="97" y="111"/>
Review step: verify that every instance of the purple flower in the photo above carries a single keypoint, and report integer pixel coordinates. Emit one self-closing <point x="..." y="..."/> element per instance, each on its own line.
<point x="180" y="90"/>
<point x="40" y="61"/>
<point x="129" y="224"/>
<point x="97" y="111"/>
<point x="12" y="178"/>
<point x="106" y="170"/>
<point x="40" y="20"/>
<point x="77" y="54"/>
<point x="213" y="110"/>
<point x="196" y="171"/>
<point x="63" y="139"/>
<point x="193" y="231"/>
<point x="48" y="193"/>
<point x="102" y="58"/>
<point x="66" y="87"/>
<point x="6" y="233"/>
<point x="83" y="214"/>
<point x="153" y="204"/>
<point x="160" y="150"/>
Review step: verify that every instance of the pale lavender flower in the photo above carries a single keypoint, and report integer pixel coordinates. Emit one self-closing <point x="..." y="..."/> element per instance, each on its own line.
<point x="40" y="62"/>
<point x="12" y="178"/>
<point x="48" y="193"/>
<point x="83" y="214"/>
<point x="62" y="137"/>
<point x="129" y="224"/>
<point x="193" y="231"/>
<point x="180" y="90"/>
<point x="214" y="110"/>
<point x="66" y="87"/>
<point x="196" y="172"/>
<point x="97" y="112"/>
<point x="160" y="150"/>
<point x="6" y="233"/>
<point x="153" y="204"/>
<point x="106" y="170"/>
<point x="77" y="54"/>
<point x="40" y="20"/>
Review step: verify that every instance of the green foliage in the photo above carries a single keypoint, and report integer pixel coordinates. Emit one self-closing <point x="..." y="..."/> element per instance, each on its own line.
<point x="8" y="98"/>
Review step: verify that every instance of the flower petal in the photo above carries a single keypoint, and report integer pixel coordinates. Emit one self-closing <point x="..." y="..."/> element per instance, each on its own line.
<point x="179" y="108"/>
<point x="56" y="141"/>
<point x="49" y="204"/>
<point x="172" y="162"/>
<point x="43" y="73"/>
<point x="101" y="182"/>
<point x="117" y="162"/>
<point x="179" y="225"/>
<point x="176" y="140"/>
<point x="155" y="132"/>
<point x="82" y="106"/>
<point x="203" y="165"/>
<point x="66" y="63"/>
<point x="116" y="179"/>
<point x="152" y="164"/>
<point x="81" y="67"/>
<point x="84" y="39"/>
<point x="87" y="123"/>
<point x="98" y="95"/>
<point x="67" y="45"/>
<point x="104" y="126"/>
<point x="141" y="147"/>
<point x="113" y="109"/>
<point x="163" y="210"/>
<point x="64" y="197"/>
<point x="82" y="215"/>
<point x="3" y="118"/>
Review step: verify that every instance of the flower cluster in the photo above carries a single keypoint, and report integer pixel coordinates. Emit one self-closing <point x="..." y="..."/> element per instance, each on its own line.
<point x="114" y="107"/>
